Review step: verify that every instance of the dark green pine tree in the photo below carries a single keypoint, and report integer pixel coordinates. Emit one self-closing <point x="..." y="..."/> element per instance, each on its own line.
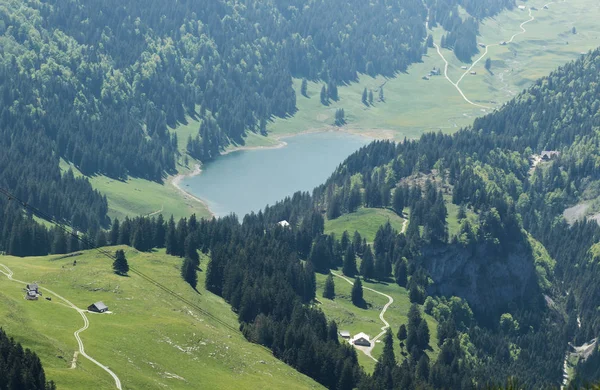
<point x="423" y="335"/>
<point x="171" y="238"/>
<point x="386" y="362"/>
<point x="329" y="290"/>
<point x="371" y="97"/>
<point x="332" y="332"/>
<point x="114" y="232"/>
<point x="422" y="370"/>
<point x="120" y="265"/>
<point x="190" y="250"/>
<point x="367" y="266"/>
<point x="398" y="201"/>
<point x="346" y="380"/>
<point x="401" y="272"/>
<point x="414" y="321"/>
<point x="381" y="96"/>
<point x="365" y="96"/>
<point x="324" y="99"/>
<point x="304" y="88"/>
<point x="349" y="268"/>
<point x="188" y="272"/>
<point x="160" y="232"/>
<point x="488" y="64"/>
<point x="357" y="293"/>
<point x="100" y="240"/>
<point x="429" y="40"/>
<point x="401" y="333"/>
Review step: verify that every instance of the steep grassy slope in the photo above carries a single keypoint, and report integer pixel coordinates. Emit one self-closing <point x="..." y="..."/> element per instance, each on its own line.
<point x="151" y="340"/>
<point x="355" y="319"/>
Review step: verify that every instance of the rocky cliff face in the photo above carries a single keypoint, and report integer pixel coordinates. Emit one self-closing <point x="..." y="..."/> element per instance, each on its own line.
<point x="491" y="283"/>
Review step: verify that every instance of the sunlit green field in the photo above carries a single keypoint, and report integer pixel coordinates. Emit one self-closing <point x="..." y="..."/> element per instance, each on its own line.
<point x="413" y="105"/>
<point x="355" y="319"/>
<point x="151" y="340"/>
<point x="365" y="220"/>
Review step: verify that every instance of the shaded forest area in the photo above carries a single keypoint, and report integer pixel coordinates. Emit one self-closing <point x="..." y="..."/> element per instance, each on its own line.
<point x="20" y="369"/>
<point x="98" y="84"/>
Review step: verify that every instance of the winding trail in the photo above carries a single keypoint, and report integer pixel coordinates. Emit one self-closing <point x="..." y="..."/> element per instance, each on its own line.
<point x="386" y="324"/>
<point x="404" y="225"/>
<point x="485" y="53"/>
<point x="86" y="323"/>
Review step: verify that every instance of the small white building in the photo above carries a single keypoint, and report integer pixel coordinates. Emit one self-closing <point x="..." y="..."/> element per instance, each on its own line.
<point x="522" y="7"/>
<point x="283" y="223"/>
<point x="361" y="339"/>
<point x="345" y="334"/>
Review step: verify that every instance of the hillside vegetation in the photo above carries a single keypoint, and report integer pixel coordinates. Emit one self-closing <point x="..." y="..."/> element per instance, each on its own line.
<point x="149" y="340"/>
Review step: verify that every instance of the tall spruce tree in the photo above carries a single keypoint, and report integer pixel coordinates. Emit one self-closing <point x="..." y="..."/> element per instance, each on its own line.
<point x="401" y="272"/>
<point x="367" y="266"/>
<point x="188" y="272"/>
<point x="120" y="265"/>
<point x="357" y="293"/>
<point x="329" y="290"/>
<point x="304" y="88"/>
<point x="349" y="268"/>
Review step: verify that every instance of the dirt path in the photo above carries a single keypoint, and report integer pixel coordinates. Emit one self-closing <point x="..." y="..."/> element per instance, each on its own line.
<point x="9" y="274"/>
<point x="485" y="53"/>
<point x="404" y="225"/>
<point x="452" y="82"/>
<point x="385" y="326"/>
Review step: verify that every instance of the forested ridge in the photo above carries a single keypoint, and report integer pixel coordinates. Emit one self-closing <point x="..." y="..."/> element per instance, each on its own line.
<point x="20" y="369"/>
<point x="101" y="84"/>
<point x="526" y="277"/>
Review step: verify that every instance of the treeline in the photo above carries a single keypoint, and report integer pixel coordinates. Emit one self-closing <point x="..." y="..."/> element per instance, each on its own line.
<point x="20" y="369"/>
<point x="462" y="34"/>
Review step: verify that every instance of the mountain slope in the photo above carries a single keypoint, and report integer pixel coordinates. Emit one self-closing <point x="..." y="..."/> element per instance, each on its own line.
<point x="150" y="340"/>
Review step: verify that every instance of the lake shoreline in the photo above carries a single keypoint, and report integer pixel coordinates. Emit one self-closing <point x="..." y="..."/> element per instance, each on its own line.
<point x="177" y="180"/>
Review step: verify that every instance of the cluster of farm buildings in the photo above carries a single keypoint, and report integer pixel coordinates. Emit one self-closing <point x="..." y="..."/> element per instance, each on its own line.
<point x="360" y="339"/>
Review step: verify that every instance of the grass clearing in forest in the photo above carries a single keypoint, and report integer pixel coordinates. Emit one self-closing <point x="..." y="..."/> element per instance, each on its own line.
<point x="151" y="339"/>
<point x="365" y="220"/>
<point x="355" y="319"/>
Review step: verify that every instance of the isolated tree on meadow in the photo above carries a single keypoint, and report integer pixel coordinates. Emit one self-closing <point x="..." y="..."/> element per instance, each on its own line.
<point x="357" y="292"/>
<point x="329" y="290"/>
<point x="371" y="97"/>
<point x="365" y="97"/>
<point x="488" y="64"/>
<point x="381" y="97"/>
<point x="304" y="88"/>
<point x="324" y="99"/>
<point x="120" y="265"/>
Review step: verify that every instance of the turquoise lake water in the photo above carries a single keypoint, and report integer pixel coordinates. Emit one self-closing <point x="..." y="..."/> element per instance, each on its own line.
<point x="248" y="180"/>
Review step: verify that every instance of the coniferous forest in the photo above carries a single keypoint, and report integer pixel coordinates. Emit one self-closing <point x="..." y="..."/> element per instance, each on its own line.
<point x="101" y="85"/>
<point x="503" y="309"/>
<point x="20" y="369"/>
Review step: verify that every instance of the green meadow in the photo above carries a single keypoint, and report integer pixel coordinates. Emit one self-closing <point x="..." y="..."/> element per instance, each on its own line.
<point x="151" y="339"/>
<point x="412" y="105"/>
<point x="365" y="220"/>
